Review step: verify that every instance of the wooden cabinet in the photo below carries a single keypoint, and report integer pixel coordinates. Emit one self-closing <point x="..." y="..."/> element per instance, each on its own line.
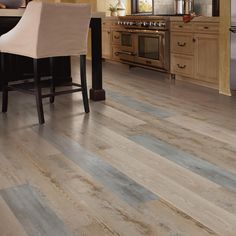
<point x="206" y="57"/>
<point x="106" y="40"/>
<point x="110" y="38"/>
<point x="194" y="51"/>
<point x="182" y="43"/>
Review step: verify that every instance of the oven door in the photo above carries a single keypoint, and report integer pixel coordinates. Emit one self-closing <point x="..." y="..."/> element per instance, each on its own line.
<point x="126" y="51"/>
<point x="150" y="48"/>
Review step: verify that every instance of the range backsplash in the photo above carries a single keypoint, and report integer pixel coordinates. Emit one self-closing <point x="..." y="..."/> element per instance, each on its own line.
<point x="201" y="7"/>
<point x="164" y="7"/>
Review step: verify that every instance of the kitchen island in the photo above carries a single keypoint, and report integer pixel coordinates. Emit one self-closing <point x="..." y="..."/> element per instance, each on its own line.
<point x="24" y="66"/>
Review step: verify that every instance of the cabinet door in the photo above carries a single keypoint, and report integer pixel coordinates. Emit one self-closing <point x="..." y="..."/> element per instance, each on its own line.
<point x="182" y="43"/>
<point x="206" y="57"/>
<point x="182" y="65"/>
<point x="106" y="43"/>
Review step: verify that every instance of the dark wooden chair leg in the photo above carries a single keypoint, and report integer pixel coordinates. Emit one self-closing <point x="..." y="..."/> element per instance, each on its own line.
<point x="4" y="79"/>
<point x="38" y="92"/>
<point x="52" y="86"/>
<point x="84" y="82"/>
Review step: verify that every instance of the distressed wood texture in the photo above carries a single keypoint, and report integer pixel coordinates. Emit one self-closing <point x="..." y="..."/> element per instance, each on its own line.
<point x="158" y="157"/>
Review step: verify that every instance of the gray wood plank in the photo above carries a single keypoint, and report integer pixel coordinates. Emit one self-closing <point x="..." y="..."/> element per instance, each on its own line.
<point x="119" y="183"/>
<point x="138" y="105"/>
<point x="33" y="213"/>
<point x="9" y="225"/>
<point x="204" y="168"/>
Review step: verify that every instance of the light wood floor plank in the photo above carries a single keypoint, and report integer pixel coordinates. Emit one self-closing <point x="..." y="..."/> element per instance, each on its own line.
<point x="73" y="213"/>
<point x="207" y="189"/>
<point x="176" y="195"/>
<point x="218" y="133"/>
<point x="139" y="102"/>
<point x="112" y="210"/>
<point x="116" y="115"/>
<point x="195" y="164"/>
<point x="9" y="225"/>
<point x="33" y="213"/>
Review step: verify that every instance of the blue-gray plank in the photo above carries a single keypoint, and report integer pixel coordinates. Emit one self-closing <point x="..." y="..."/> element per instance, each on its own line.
<point x="33" y="213"/>
<point x="189" y="161"/>
<point x="139" y="106"/>
<point x="111" y="178"/>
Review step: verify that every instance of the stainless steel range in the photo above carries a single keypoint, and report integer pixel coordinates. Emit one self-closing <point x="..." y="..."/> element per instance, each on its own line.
<point x="144" y="41"/>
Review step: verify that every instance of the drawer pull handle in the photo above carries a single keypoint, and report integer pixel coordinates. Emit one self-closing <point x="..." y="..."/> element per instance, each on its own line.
<point x="180" y="26"/>
<point x="206" y="27"/>
<point x="181" y="44"/>
<point x="181" y="66"/>
<point x="117" y="37"/>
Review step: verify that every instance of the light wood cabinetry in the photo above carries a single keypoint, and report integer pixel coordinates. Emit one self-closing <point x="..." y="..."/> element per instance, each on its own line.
<point x="206" y="58"/>
<point x="110" y="38"/>
<point x="106" y="40"/>
<point x="195" y="51"/>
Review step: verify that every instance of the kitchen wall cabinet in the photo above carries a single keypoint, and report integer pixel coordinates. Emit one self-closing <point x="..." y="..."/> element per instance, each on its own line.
<point x="195" y="50"/>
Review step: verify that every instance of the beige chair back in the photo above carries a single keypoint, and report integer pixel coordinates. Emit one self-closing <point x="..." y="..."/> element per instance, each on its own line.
<point x="49" y="30"/>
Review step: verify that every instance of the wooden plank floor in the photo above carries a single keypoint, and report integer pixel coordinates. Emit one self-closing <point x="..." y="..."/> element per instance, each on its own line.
<point x="158" y="157"/>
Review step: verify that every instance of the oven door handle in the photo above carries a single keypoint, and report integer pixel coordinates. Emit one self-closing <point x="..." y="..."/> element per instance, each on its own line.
<point x="126" y="31"/>
<point x="125" y="53"/>
<point x="143" y="31"/>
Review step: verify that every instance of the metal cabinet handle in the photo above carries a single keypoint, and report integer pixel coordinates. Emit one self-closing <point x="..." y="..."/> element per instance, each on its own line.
<point x="180" y="26"/>
<point x="181" y="44"/>
<point x="233" y="29"/>
<point x="181" y="66"/>
<point x="206" y="27"/>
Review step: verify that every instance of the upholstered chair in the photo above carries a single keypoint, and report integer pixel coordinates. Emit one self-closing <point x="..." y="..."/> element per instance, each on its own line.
<point x="48" y="30"/>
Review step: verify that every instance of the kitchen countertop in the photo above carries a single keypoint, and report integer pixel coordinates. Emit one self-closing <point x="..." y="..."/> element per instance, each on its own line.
<point x="19" y="12"/>
<point x="171" y="18"/>
<point x="12" y="12"/>
<point x="197" y="19"/>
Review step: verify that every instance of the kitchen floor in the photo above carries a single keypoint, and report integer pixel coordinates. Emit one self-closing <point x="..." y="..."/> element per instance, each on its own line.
<point x="158" y="157"/>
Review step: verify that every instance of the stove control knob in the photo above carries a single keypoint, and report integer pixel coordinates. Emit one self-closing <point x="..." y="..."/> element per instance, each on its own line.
<point x="162" y="24"/>
<point x="144" y="24"/>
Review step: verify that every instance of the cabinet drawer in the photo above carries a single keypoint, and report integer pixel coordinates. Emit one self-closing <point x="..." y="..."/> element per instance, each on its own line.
<point x="115" y="56"/>
<point x="182" y="43"/>
<point x="181" y="26"/>
<point x="115" y="37"/>
<point x="106" y="23"/>
<point x="206" y="27"/>
<point x="182" y="65"/>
